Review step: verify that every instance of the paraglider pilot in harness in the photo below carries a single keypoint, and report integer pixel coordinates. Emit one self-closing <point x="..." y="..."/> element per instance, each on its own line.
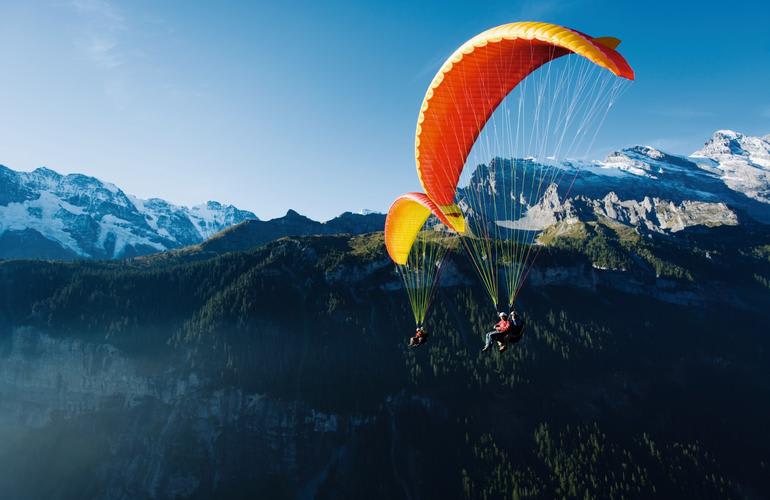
<point x="420" y="337"/>
<point x="507" y="330"/>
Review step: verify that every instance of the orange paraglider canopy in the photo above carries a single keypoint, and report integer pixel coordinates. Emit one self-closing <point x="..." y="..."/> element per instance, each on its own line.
<point x="474" y="81"/>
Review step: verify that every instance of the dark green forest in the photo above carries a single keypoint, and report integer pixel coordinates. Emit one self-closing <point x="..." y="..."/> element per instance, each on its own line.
<point x="643" y="370"/>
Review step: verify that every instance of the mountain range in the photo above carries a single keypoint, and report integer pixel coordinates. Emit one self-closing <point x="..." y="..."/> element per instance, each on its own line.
<point x="47" y="215"/>
<point x="44" y="214"/>
<point x="731" y="169"/>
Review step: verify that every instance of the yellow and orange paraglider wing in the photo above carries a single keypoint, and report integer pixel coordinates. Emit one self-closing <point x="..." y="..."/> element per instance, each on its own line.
<point x="417" y="250"/>
<point x="473" y="82"/>
<point x="405" y="219"/>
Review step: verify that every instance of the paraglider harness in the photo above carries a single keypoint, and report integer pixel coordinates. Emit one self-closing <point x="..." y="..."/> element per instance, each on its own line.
<point x="514" y="334"/>
<point x="516" y="331"/>
<point x="420" y="337"/>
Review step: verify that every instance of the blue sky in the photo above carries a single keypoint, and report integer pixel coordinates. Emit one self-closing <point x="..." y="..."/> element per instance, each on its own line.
<point x="312" y="105"/>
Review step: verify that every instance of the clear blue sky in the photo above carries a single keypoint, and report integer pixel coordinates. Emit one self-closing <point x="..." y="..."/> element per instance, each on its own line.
<point x="312" y="105"/>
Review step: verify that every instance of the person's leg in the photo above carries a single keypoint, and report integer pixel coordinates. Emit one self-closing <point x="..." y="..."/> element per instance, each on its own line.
<point x="492" y="336"/>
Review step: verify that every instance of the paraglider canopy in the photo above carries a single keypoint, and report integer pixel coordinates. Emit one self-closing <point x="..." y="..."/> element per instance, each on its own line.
<point x="417" y="247"/>
<point x="472" y="83"/>
<point x="406" y="217"/>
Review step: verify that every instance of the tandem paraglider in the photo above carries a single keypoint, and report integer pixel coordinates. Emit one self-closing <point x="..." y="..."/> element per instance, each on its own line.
<point x="496" y="131"/>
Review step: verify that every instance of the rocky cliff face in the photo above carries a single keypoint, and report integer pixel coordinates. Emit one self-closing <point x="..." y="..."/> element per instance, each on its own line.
<point x="651" y="214"/>
<point x="140" y="429"/>
<point x="663" y="215"/>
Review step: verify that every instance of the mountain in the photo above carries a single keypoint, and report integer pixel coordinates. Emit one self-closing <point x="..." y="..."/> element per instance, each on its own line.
<point x="731" y="168"/>
<point x="251" y="233"/>
<point x="650" y="214"/>
<point x="283" y="372"/>
<point x="44" y="214"/>
<point x="725" y="183"/>
<point x="742" y="162"/>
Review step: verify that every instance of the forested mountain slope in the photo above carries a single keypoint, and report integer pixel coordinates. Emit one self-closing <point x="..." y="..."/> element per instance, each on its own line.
<point x="283" y="371"/>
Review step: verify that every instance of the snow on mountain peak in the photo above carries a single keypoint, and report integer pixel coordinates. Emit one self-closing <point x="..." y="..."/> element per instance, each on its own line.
<point x="742" y="161"/>
<point x="728" y="143"/>
<point x="46" y="172"/>
<point x="637" y="160"/>
<point x="727" y="134"/>
<point x="739" y="161"/>
<point x="87" y="217"/>
<point x="211" y="217"/>
<point x="648" y="151"/>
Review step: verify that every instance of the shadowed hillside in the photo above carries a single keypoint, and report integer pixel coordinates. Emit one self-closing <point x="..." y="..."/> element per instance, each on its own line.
<point x="282" y="371"/>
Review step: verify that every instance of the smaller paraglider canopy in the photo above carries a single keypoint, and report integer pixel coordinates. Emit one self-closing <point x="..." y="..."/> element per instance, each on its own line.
<point x="406" y="217"/>
<point x="417" y="247"/>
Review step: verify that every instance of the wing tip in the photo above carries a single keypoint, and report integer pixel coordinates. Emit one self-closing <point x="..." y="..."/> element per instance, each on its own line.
<point x="608" y="41"/>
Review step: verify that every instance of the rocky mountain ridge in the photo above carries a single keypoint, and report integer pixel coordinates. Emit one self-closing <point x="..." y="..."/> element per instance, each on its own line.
<point x="650" y="214"/>
<point x="724" y="183"/>
<point x="49" y="215"/>
<point x="251" y="233"/>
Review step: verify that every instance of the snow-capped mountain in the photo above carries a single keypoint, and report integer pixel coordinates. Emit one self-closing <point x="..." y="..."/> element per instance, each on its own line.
<point x="44" y="214"/>
<point x="47" y="215"/>
<point x="725" y="182"/>
<point x="742" y="162"/>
